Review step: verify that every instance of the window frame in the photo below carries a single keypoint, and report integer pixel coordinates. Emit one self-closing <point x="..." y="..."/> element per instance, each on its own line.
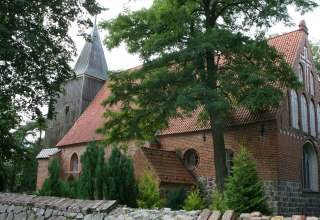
<point x="309" y="168"/>
<point x="74" y="158"/>
<point x="187" y="158"/>
<point x="304" y="113"/>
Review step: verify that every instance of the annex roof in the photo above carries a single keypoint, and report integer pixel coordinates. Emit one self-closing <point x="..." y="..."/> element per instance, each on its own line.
<point x="168" y="166"/>
<point x="92" y="61"/>
<point x="84" y="129"/>
<point x="46" y="153"/>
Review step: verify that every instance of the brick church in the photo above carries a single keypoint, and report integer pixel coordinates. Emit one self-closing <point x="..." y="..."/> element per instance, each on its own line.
<point x="284" y="142"/>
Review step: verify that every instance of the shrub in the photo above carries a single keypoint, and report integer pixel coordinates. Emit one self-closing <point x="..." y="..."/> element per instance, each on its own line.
<point x="120" y="182"/>
<point x="175" y="198"/>
<point x="218" y="202"/>
<point x="194" y="200"/>
<point x="53" y="185"/>
<point x="149" y="192"/>
<point x="73" y="188"/>
<point x="91" y="179"/>
<point x="245" y="192"/>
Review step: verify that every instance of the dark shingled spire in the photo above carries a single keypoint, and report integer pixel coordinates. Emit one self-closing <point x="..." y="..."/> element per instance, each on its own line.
<point x="91" y="61"/>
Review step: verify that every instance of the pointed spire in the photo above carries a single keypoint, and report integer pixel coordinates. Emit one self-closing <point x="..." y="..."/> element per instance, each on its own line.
<point x="92" y="61"/>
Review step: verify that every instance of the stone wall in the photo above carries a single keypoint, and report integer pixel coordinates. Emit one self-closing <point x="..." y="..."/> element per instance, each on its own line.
<point x="288" y="198"/>
<point x="32" y="207"/>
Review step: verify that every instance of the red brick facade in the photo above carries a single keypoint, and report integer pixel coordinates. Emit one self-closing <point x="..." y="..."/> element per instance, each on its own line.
<point x="276" y="146"/>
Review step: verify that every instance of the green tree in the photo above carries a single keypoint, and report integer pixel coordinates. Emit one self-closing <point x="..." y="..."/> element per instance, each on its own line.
<point x="149" y="192"/>
<point x="245" y="192"/>
<point x="194" y="200"/>
<point x="120" y="183"/>
<point x="90" y="184"/>
<point x="53" y="185"/>
<point x="35" y="54"/>
<point x="315" y="48"/>
<point x="196" y="54"/>
<point x="19" y="173"/>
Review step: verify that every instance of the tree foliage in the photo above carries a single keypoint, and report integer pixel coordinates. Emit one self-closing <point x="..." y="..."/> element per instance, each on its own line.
<point x="35" y="54"/>
<point x="245" y="192"/>
<point x="53" y="185"/>
<point x="315" y="48"/>
<point x="197" y="54"/>
<point x="120" y="183"/>
<point x="149" y="191"/>
<point x="19" y="173"/>
<point x="91" y="180"/>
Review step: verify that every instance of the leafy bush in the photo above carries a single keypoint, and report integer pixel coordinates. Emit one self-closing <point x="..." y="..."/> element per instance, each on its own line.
<point x="194" y="200"/>
<point x="218" y="202"/>
<point x="149" y="192"/>
<point x="245" y="192"/>
<point x="120" y="183"/>
<point x="53" y="185"/>
<point x="175" y="198"/>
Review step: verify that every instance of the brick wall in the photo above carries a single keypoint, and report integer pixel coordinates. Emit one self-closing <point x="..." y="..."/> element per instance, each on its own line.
<point x="42" y="173"/>
<point x="262" y="145"/>
<point x="65" y="158"/>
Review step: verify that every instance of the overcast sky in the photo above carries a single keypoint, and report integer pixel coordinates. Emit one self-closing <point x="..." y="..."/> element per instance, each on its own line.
<point x="120" y="59"/>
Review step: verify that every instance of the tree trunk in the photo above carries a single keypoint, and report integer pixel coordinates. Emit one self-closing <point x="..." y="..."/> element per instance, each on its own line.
<point x="219" y="151"/>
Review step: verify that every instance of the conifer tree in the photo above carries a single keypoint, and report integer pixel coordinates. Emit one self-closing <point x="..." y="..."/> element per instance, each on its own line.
<point x="120" y="182"/>
<point x="245" y="192"/>
<point x="149" y="192"/>
<point x="197" y="55"/>
<point x="92" y="175"/>
<point x="194" y="200"/>
<point x="53" y="185"/>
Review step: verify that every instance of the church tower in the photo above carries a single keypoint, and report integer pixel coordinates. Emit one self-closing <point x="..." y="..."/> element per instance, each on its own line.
<point x="91" y="74"/>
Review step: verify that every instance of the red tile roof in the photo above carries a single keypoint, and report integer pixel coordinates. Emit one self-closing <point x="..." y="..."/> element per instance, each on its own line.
<point x="288" y="44"/>
<point x="84" y="129"/>
<point x="239" y="116"/>
<point x="168" y="166"/>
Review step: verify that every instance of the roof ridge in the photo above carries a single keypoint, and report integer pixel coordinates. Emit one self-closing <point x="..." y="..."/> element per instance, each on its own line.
<point x="281" y="35"/>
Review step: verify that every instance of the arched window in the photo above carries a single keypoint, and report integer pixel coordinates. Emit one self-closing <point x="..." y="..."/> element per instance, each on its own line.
<point x="318" y="117"/>
<point x="304" y="113"/>
<point x="74" y="162"/>
<point x="294" y="109"/>
<point x="229" y="161"/>
<point x="300" y="74"/>
<point x="306" y="78"/>
<point x="312" y="119"/>
<point x="309" y="168"/>
<point x="311" y="84"/>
